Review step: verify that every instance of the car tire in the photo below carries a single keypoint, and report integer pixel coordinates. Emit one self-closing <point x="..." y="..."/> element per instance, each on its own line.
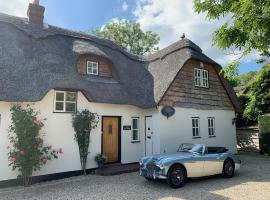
<point x="177" y="176"/>
<point x="228" y="168"/>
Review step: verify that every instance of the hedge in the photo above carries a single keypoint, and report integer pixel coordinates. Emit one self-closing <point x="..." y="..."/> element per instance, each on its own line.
<point x="264" y="127"/>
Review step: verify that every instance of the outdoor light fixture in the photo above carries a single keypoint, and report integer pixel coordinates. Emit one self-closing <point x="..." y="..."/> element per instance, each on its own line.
<point x="233" y="121"/>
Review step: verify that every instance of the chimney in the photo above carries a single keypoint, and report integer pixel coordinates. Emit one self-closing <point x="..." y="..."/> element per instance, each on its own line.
<point x="36" y="13"/>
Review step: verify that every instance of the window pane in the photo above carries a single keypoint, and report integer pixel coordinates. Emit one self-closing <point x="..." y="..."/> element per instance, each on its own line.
<point x="71" y="96"/>
<point x="59" y="96"/>
<point x="135" y="123"/>
<point x="94" y="71"/>
<point x="193" y="122"/>
<point x="135" y="135"/>
<point x="59" y="106"/>
<point x="194" y="132"/>
<point x="70" y="107"/>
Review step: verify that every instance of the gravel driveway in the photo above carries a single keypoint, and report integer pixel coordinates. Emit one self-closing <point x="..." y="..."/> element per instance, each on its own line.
<point x="252" y="182"/>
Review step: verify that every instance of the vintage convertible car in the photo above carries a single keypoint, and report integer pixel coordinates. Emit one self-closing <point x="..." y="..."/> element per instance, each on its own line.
<point x="190" y="161"/>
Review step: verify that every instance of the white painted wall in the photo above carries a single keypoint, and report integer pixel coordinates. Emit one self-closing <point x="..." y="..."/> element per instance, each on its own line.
<point x="60" y="133"/>
<point x="178" y="129"/>
<point x="168" y="133"/>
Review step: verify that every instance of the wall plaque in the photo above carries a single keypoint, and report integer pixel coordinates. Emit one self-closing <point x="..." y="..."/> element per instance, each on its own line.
<point x="126" y="127"/>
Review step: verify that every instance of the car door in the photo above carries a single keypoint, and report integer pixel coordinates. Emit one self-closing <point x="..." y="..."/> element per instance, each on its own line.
<point x="195" y="165"/>
<point x="211" y="164"/>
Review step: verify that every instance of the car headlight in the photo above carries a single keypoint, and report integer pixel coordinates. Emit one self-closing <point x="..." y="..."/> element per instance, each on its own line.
<point x="160" y="166"/>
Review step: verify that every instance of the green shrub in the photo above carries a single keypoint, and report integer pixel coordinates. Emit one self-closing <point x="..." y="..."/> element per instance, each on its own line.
<point x="264" y="127"/>
<point x="83" y="123"/>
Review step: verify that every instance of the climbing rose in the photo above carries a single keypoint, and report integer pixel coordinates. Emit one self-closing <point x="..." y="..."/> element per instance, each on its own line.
<point x="12" y="159"/>
<point x="22" y="152"/>
<point x="37" y="122"/>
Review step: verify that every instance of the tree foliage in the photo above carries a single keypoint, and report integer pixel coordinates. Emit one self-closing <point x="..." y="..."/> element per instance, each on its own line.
<point x="129" y="36"/>
<point x="249" y="27"/>
<point x="83" y="123"/>
<point x="231" y="72"/>
<point x="255" y="98"/>
<point x="27" y="152"/>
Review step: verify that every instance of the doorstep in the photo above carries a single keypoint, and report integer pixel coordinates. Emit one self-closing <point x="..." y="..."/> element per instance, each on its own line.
<point x="117" y="168"/>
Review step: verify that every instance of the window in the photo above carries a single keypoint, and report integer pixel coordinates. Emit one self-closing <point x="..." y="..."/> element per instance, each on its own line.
<point x="135" y="129"/>
<point x="211" y="126"/>
<point x="201" y="77"/>
<point x="195" y="127"/>
<point x="65" y="101"/>
<point x="92" y="67"/>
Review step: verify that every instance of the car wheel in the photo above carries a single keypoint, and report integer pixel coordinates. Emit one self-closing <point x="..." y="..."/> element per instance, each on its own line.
<point x="228" y="168"/>
<point x="177" y="176"/>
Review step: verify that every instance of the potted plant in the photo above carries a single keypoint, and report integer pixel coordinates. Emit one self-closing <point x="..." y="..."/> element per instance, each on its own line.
<point x="100" y="159"/>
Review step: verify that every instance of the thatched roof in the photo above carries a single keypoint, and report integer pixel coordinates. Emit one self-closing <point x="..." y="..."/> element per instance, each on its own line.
<point x="37" y="59"/>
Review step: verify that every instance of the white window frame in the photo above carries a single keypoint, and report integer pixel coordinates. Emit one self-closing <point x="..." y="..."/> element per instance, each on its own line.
<point x="196" y="127"/>
<point x="201" y="78"/>
<point x="137" y="129"/>
<point x="64" y="102"/>
<point x="90" y="68"/>
<point x="211" y="127"/>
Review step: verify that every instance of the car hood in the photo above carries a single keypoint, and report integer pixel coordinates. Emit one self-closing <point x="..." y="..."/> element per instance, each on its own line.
<point x="170" y="156"/>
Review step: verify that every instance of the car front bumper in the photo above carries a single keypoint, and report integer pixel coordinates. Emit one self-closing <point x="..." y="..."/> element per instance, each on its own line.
<point x="155" y="174"/>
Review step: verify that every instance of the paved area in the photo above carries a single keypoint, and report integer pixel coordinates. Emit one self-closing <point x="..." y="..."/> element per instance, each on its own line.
<point x="252" y="182"/>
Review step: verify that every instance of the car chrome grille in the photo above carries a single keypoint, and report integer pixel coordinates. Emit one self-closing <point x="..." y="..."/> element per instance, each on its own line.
<point x="152" y="166"/>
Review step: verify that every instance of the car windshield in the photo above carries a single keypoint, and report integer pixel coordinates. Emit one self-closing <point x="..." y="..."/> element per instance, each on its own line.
<point x="188" y="147"/>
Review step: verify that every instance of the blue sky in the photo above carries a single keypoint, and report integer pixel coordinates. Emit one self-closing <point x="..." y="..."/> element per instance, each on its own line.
<point x="169" y="18"/>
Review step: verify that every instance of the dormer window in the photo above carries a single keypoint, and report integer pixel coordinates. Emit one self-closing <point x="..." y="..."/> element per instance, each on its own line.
<point x="92" y="67"/>
<point x="201" y="78"/>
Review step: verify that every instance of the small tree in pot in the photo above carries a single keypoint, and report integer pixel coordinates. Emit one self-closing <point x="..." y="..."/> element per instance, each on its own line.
<point x="83" y="123"/>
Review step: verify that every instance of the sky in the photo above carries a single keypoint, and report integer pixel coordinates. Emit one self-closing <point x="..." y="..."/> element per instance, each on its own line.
<point x="169" y="18"/>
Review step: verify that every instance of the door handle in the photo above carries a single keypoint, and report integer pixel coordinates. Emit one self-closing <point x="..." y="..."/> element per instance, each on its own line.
<point x="149" y="137"/>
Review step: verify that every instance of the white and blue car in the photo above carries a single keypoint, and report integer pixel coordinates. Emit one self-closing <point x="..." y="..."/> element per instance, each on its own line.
<point x="190" y="161"/>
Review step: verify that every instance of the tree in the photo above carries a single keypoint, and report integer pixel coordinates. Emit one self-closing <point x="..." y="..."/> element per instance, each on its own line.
<point x="231" y="72"/>
<point x="249" y="27"/>
<point x="27" y="152"/>
<point x="247" y="78"/>
<point x="83" y="123"/>
<point x="129" y="36"/>
<point x="256" y="97"/>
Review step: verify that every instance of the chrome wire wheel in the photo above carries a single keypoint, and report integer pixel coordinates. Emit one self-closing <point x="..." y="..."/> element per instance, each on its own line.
<point x="177" y="176"/>
<point x="228" y="169"/>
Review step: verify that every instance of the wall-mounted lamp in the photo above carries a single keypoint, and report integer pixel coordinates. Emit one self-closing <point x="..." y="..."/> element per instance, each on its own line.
<point x="233" y="121"/>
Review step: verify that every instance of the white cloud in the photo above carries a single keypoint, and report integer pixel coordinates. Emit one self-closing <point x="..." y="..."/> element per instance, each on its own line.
<point x="171" y="18"/>
<point x="14" y="7"/>
<point x="124" y="6"/>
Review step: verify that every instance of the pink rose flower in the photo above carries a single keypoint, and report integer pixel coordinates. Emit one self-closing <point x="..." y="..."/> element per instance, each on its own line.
<point x="61" y="151"/>
<point x="22" y="152"/>
<point x="49" y="147"/>
<point x="37" y="122"/>
<point x="44" y="160"/>
<point x="8" y="147"/>
<point x="12" y="159"/>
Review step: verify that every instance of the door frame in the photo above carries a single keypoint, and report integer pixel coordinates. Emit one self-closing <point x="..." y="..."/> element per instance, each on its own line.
<point x="145" y="132"/>
<point x="119" y="135"/>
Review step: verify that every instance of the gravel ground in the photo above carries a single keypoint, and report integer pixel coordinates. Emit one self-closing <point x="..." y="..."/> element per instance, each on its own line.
<point x="251" y="182"/>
